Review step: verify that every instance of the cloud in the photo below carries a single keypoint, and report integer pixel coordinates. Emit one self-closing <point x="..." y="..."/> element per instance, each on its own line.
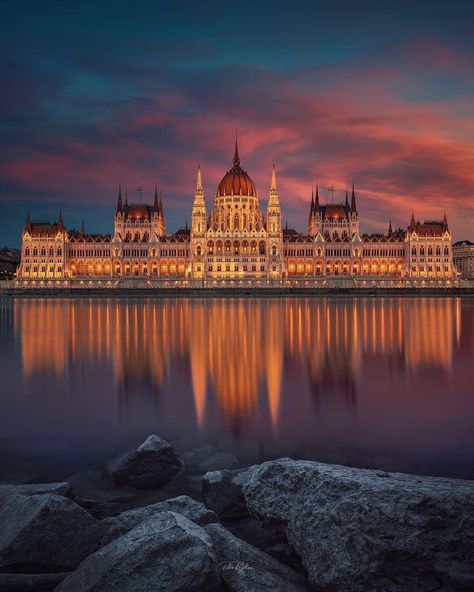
<point x="360" y="121"/>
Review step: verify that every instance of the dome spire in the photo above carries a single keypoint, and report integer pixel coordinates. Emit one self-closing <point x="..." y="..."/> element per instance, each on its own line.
<point x="236" y="153"/>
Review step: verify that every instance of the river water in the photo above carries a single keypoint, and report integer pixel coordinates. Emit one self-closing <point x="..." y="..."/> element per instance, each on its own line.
<point x="363" y="381"/>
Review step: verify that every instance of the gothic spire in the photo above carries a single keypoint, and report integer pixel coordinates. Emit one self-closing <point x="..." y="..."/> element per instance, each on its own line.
<point x="60" y="219"/>
<point x="316" y="201"/>
<point x="199" y="181"/>
<point x="28" y="221"/>
<point x="83" y="229"/>
<point x="445" y="221"/>
<point x="311" y="210"/>
<point x="236" y="153"/>
<point x="273" y="184"/>
<point x="347" y="199"/>
<point x="390" y="231"/>
<point x="119" y="200"/>
<point x="160" y="204"/>
<point x="353" y="201"/>
<point x="155" y="203"/>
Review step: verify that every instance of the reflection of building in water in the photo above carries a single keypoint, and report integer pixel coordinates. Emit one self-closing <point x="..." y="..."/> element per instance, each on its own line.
<point x="432" y="324"/>
<point x="237" y="349"/>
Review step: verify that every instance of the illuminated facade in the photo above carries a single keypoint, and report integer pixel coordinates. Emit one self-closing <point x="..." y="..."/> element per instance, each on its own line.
<point x="237" y="244"/>
<point x="463" y="255"/>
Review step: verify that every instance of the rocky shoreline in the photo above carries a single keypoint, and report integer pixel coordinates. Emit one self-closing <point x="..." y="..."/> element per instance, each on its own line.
<point x="283" y="525"/>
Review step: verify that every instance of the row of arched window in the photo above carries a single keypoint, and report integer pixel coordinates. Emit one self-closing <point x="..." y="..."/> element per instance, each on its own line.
<point x="42" y="252"/>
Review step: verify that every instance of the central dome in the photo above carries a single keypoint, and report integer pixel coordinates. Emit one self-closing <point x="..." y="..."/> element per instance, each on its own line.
<point x="236" y="181"/>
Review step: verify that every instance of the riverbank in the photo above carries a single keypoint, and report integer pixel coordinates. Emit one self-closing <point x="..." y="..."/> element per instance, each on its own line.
<point x="229" y="292"/>
<point x="165" y="516"/>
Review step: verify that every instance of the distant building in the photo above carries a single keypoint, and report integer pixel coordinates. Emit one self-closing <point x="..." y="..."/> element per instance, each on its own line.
<point x="463" y="254"/>
<point x="238" y="244"/>
<point x="9" y="261"/>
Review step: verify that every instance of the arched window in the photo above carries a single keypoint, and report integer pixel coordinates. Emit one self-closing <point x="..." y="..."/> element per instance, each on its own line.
<point x="261" y="248"/>
<point x="198" y="250"/>
<point x="43" y="252"/>
<point x="51" y="252"/>
<point x="274" y="250"/>
<point x="27" y="251"/>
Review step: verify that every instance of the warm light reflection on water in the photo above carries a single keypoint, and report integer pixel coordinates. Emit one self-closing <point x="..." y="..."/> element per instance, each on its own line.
<point x="345" y="379"/>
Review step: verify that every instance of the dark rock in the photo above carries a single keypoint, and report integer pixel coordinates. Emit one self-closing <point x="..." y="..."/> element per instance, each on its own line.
<point x="46" y="531"/>
<point x="219" y="461"/>
<point x="16" y="582"/>
<point x="124" y="522"/>
<point x="165" y="553"/>
<point x="151" y="465"/>
<point x="244" y="568"/>
<point x="358" y="530"/>
<point x="222" y="492"/>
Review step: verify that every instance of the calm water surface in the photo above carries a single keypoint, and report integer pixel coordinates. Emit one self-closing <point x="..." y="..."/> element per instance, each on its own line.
<point x="373" y="382"/>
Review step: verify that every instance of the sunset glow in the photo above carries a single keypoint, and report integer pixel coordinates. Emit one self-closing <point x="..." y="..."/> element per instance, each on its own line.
<point x="394" y="113"/>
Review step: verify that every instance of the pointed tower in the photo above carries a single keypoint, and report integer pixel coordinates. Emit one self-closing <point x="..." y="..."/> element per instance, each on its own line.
<point x="312" y="217"/>
<point x="445" y="222"/>
<point x="60" y="220"/>
<point x="158" y="216"/>
<point x="119" y="201"/>
<point x="83" y="230"/>
<point x="354" y="215"/>
<point x="28" y="222"/>
<point x="198" y="229"/>
<point x="412" y="224"/>
<point x="274" y="230"/>
<point x="346" y="204"/>
<point x="353" y="201"/>
<point x="236" y="153"/>
<point x="390" y="231"/>
<point x="274" y="210"/>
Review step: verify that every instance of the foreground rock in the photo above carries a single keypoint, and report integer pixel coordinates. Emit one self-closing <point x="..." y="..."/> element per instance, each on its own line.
<point x="358" y="530"/>
<point x="185" y="505"/>
<point x="165" y="553"/>
<point x="150" y="465"/>
<point x="46" y="531"/>
<point x="244" y="568"/>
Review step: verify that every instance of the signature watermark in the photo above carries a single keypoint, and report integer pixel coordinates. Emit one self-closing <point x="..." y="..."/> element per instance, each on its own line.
<point x="239" y="567"/>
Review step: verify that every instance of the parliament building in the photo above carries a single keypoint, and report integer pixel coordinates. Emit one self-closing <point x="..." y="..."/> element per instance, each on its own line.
<point x="237" y="244"/>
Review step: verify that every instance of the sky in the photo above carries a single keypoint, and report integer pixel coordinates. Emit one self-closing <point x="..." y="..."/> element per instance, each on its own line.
<point x="97" y="94"/>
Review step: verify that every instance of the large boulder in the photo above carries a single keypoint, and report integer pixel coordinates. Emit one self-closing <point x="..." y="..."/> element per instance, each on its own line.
<point x="358" y="530"/>
<point x="165" y="553"/>
<point x="46" y="531"/>
<point x="185" y="505"/>
<point x="150" y="465"/>
<point x="244" y="568"/>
